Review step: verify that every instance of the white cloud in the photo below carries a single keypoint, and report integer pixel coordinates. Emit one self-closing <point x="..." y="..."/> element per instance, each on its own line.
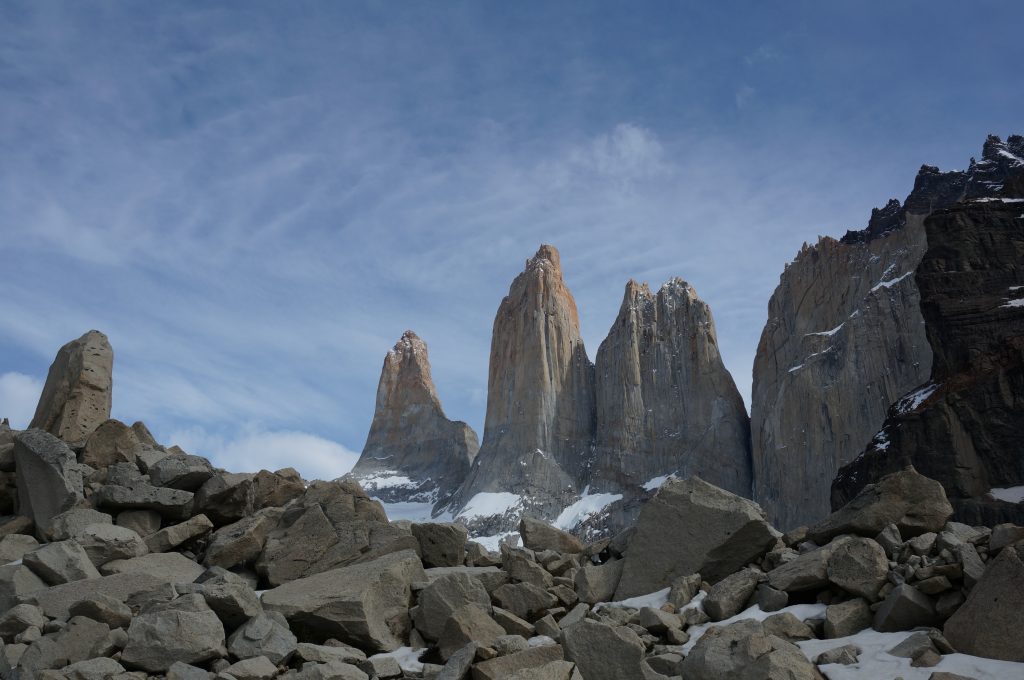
<point x="627" y="152"/>
<point x="744" y="93"/>
<point x="19" y="394"/>
<point x="255" y="448"/>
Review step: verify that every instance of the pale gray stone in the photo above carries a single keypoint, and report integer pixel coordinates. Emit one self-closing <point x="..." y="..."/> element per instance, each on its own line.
<point x="48" y="477"/>
<point x="60" y="562"/>
<point x="443" y="597"/>
<point x="185" y="630"/>
<point x="441" y="544"/>
<point x="264" y="635"/>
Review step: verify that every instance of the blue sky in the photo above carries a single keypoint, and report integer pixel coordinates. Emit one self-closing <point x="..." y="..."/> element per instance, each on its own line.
<point x="254" y="200"/>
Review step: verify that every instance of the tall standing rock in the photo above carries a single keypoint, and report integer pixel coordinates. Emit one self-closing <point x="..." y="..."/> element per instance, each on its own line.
<point x="540" y="395"/>
<point x="413" y="452"/>
<point x="76" y="396"/>
<point x="963" y="427"/>
<point x="665" y="401"/>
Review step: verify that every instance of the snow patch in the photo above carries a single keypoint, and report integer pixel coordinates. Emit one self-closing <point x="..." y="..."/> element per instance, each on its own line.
<point x="540" y="641"/>
<point x="658" y="482"/>
<point x="586" y="507"/>
<point x="913" y="400"/>
<point x="407" y="657"/>
<point x="800" y="611"/>
<point x="874" y="661"/>
<point x="412" y="511"/>
<point x="890" y="282"/>
<point x="1010" y="494"/>
<point x="831" y="332"/>
<point x="656" y="600"/>
<point x="489" y="504"/>
<point x="387" y="480"/>
<point x="493" y="543"/>
<point x="1015" y="303"/>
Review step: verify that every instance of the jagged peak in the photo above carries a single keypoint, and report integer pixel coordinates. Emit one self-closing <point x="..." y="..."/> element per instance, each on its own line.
<point x="409" y="344"/>
<point x="546" y="255"/>
<point x="677" y="287"/>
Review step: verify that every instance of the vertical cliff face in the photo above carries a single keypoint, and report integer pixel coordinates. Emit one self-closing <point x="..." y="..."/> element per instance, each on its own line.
<point x="964" y="425"/>
<point x="845" y="338"/>
<point x="413" y="452"/>
<point x="665" y="402"/>
<point x="540" y="394"/>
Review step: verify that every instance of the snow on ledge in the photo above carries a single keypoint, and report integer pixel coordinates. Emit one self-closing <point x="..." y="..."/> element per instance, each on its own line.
<point x="658" y="482"/>
<point x="890" y="283"/>
<point x="489" y="504"/>
<point x="587" y="506"/>
<point x="1010" y="494"/>
<point x="656" y="600"/>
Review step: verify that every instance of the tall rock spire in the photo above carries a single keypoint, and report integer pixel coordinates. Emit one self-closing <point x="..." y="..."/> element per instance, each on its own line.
<point x="540" y="393"/>
<point x="413" y="452"/>
<point x="77" y="394"/>
<point x="665" y="401"/>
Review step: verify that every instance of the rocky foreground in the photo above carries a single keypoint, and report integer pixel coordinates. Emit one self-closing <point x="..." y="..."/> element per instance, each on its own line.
<point x="129" y="560"/>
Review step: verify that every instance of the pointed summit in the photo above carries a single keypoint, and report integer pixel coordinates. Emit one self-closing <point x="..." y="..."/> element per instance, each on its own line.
<point x="413" y="452"/>
<point x="665" y="402"/>
<point x="540" y="399"/>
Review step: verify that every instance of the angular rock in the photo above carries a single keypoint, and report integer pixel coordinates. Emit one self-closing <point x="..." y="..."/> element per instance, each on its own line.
<point x="845" y="655"/>
<point x="439" y="600"/>
<point x="744" y="650"/>
<point x="171" y="537"/>
<point x="597" y="583"/>
<point x="787" y="627"/>
<point x="365" y="604"/>
<point x="911" y="501"/>
<point x="654" y="620"/>
<point x="513" y="624"/>
<point x="458" y="664"/>
<point x="14" y="547"/>
<point x="441" y="544"/>
<point x="255" y="668"/>
<point x="185" y="630"/>
<point x="234" y="602"/>
<point x="469" y="623"/>
<point x="770" y="599"/>
<point x="106" y="542"/>
<point x="413" y="451"/>
<point x="604" y="652"/>
<point x="525" y="600"/>
<point x="491" y="578"/>
<point x="170" y="503"/>
<point x="228" y="497"/>
<point x="168" y="567"/>
<point x="181" y="472"/>
<point x="807" y="571"/>
<point x="93" y="669"/>
<point x="729" y="596"/>
<point x="16" y="582"/>
<point x="265" y="635"/>
<point x="904" y="608"/>
<point x="847" y="618"/>
<point x="539" y="535"/>
<point x="184" y="671"/>
<point x="112" y="442"/>
<point x="48" y="477"/>
<point x="60" y="562"/>
<point x="503" y="667"/>
<point x="70" y="522"/>
<point x="129" y="588"/>
<point x="16" y="619"/>
<point x="331" y="525"/>
<point x="104" y="609"/>
<point x="1004" y="535"/>
<point x="242" y="541"/>
<point x="858" y="566"/>
<point x="76" y="395"/>
<point x="691" y="527"/>
<point x="990" y="622"/>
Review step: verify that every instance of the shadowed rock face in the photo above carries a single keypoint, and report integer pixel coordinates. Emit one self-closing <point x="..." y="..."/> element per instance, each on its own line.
<point x="77" y="394"/>
<point x="413" y="452"/>
<point x="540" y="393"/>
<point x="846" y="338"/>
<point x="665" y="402"/>
<point x="964" y="426"/>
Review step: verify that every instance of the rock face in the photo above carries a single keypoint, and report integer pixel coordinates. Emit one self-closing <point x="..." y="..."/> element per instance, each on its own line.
<point x="963" y="426"/>
<point x="846" y="338"/>
<point x="665" y="402"/>
<point x="77" y="392"/>
<point x="413" y="452"/>
<point x="540" y="394"/>
<point x="49" y="479"/>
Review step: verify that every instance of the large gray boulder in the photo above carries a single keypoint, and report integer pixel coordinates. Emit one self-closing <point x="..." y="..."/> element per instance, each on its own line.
<point x="470" y="623"/>
<point x="106" y="542"/>
<point x="48" y="477"/>
<point x="991" y="621"/>
<point x="858" y="566"/>
<point x="605" y="652"/>
<point x="181" y="471"/>
<point x="70" y="522"/>
<point x="264" y="635"/>
<point x="597" y="582"/>
<point x="745" y="651"/>
<point x="729" y="596"/>
<point x="171" y="537"/>
<point x="112" y="442"/>
<point x="689" y="527"/>
<point x="442" y="597"/>
<point x="365" y="604"/>
<point x="185" y="630"/>
<point x="17" y="581"/>
<point x="911" y="501"/>
<point x="539" y="535"/>
<point x="331" y="525"/>
<point x="137" y="589"/>
<point x="77" y="393"/>
<point x="504" y="667"/>
<point x="905" y="607"/>
<point x="169" y="567"/>
<point x="60" y="562"/>
<point x="441" y="544"/>
<point x="242" y="541"/>
<point x="170" y="503"/>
